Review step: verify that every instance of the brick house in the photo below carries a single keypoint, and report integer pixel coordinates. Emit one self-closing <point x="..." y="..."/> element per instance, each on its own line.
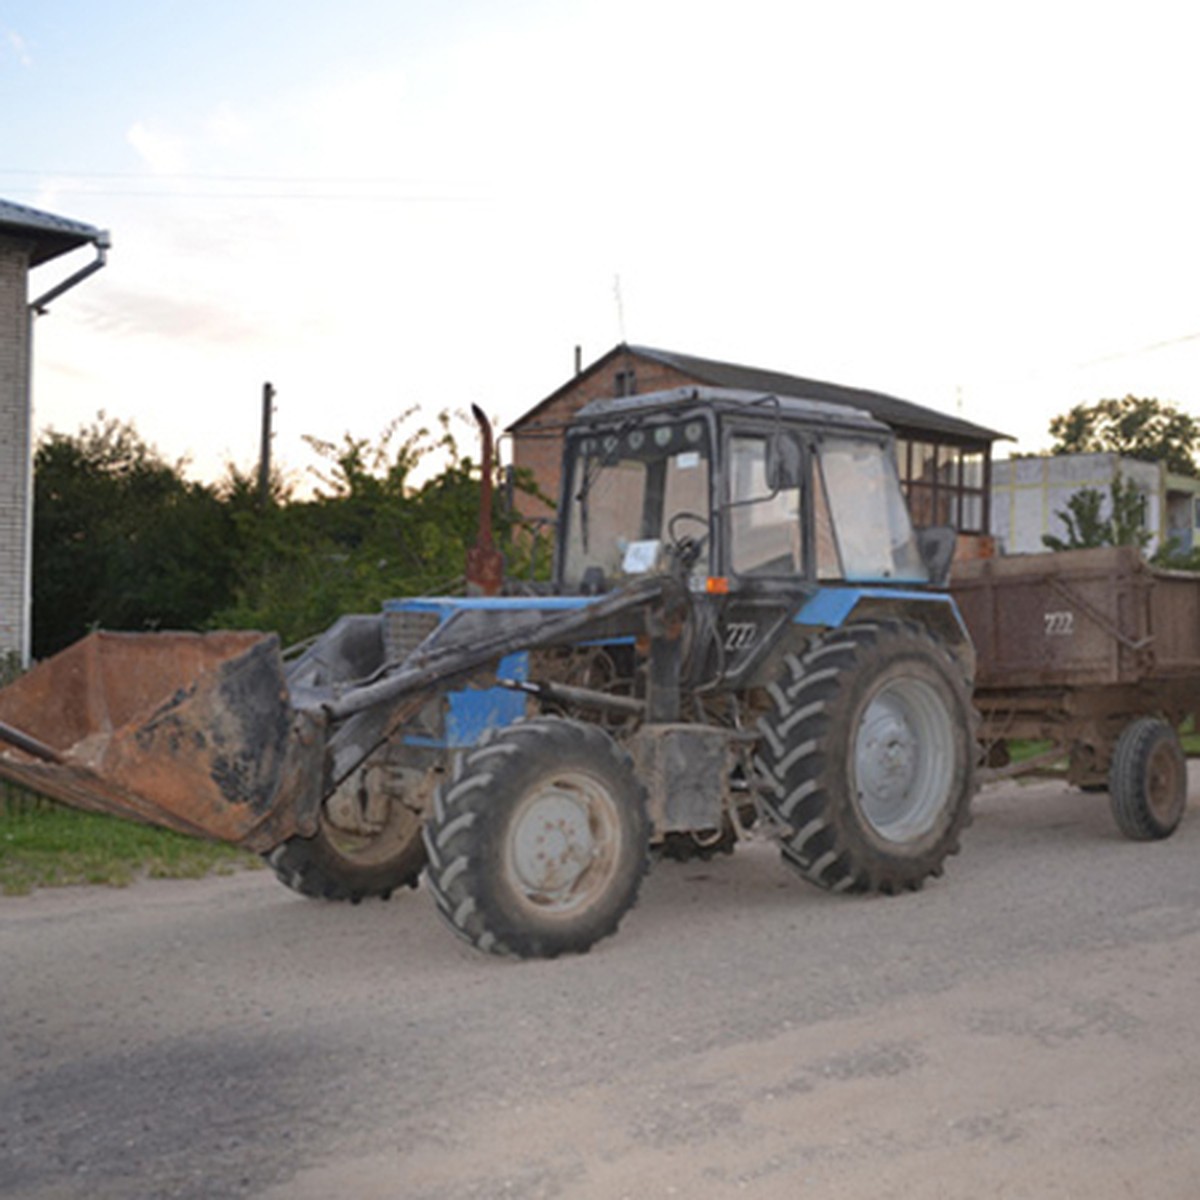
<point x="28" y="239"/>
<point x="945" y="463"/>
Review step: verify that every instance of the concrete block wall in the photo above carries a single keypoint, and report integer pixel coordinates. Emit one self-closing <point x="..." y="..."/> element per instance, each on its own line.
<point x="14" y="445"/>
<point x="1028" y="494"/>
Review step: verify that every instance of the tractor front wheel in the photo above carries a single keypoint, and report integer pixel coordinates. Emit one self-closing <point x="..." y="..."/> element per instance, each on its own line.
<point x="368" y="843"/>
<point x="538" y="845"/>
<point x="867" y="758"/>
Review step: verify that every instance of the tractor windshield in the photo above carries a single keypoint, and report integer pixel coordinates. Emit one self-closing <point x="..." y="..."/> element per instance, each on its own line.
<point x="632" y="490"/>
<point x="862" y="515"/>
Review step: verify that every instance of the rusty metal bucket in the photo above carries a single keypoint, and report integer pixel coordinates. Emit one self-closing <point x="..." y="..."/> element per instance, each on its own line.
<point x="194" y="732"/>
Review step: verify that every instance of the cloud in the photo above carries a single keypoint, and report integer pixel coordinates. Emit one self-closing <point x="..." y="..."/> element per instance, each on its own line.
<point x="806" y="187"/>
<point x="17" y="46"/>
<point x="126" y="312"/>
<point x="228" y="129"/>
<point x="163" y="153"/>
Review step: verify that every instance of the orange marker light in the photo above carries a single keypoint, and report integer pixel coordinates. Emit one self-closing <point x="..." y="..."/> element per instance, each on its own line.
<point x="717" y="585"/>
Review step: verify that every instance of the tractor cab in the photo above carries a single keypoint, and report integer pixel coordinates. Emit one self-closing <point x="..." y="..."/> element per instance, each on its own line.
<point x="751" y="491"/>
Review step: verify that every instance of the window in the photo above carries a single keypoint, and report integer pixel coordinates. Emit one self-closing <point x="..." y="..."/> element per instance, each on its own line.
<point x="944" y="484"/>
<point x="872" y="527"/>
<point x="972" y="488"/>
<point x="764" y="527"/>
<point x="625" y="383"/>
<point x="829" y="563"/>
<point x="641" y="484"/>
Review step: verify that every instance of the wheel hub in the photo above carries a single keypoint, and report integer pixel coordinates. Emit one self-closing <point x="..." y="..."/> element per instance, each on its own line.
<point x="553" y="845"/>
<point x="904" y="760"/>
<point x="889" y="754"/>
<point x="1162" y="782"/>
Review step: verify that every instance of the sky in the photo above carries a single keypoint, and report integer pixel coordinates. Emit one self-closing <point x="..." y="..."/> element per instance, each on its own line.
<point x="381" y="207"/>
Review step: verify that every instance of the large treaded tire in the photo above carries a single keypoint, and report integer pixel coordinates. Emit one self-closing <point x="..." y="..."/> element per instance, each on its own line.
<point x="867" y="758"/>
<point x="333" y="865"/>
<point x="538" y="844"/>
<point x="1147" y="781"/>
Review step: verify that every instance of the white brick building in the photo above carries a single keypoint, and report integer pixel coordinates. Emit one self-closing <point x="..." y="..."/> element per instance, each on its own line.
<point x="28" y="239"/>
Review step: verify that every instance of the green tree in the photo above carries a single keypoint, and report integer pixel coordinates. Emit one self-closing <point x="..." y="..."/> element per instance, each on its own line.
<point x="1088" y="526"/>
<point x="371" y="532"/>
<point x="1135" y="427"/>
<point x="121" y="539"/>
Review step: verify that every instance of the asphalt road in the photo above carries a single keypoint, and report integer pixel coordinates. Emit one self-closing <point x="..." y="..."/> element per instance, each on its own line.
<point x="1024" y="1027"/>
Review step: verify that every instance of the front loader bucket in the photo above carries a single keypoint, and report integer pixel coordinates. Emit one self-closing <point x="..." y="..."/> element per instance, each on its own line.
<point x="194" y="732"/>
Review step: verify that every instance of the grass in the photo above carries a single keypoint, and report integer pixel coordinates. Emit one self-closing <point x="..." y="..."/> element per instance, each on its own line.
<point x="1190" y="738"/>
<point x="43" y="844"/>
<point x="1020" y="750"/>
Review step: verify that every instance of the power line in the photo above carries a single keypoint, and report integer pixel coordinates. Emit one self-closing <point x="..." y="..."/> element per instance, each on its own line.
<point x="201" y="176"/>
<point x="389" y="189"/>
<point x="341" y="197"/>
<point x="1150" y="349"/>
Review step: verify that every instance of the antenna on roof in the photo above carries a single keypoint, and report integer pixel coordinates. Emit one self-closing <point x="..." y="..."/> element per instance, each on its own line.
<point x="620" y="307"/>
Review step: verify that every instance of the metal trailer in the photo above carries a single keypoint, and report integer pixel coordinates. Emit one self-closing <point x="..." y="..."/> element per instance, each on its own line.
<point x="1098" y="653"/>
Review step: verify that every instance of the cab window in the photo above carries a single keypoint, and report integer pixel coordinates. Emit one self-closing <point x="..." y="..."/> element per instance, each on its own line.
<point x="764" y="526"/>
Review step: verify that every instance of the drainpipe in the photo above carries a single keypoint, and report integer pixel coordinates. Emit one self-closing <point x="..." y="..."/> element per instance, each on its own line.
<point x="39" y="308"/>
<point x="103" y="244"/>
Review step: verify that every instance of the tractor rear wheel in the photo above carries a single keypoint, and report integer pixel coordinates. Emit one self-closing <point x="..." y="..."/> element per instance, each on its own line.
<point x="867" y="758"/>
<point x="1148" y="780"/>
<point x="538" y="845"/>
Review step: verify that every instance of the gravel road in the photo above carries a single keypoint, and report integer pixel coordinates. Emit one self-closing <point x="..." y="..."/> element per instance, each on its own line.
<point x="1024" y="1027"/>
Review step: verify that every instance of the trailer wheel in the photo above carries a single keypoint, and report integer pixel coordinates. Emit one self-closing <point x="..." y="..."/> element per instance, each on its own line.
<point x="538" y="845"/>
<point x="337" y="864"/>
<point x="867" y="758"/>
<point x="1148" y="780"/>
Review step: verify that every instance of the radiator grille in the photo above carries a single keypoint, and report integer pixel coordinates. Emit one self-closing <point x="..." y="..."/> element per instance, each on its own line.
<point x="405" y="630"/>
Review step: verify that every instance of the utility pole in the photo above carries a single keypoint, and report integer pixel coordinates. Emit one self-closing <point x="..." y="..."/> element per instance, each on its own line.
<point x="264" y="458"/>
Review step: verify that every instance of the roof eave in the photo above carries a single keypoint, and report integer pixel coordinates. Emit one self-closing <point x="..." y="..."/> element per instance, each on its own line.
<point x="47" y="235"/>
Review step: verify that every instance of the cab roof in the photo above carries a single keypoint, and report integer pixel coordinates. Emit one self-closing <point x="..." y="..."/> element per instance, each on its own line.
<point x="732" y="401"/>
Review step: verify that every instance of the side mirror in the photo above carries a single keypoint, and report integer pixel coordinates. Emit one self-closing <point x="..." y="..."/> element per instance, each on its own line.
<point x="936" y="544"/>
<point x="783" y="463"/>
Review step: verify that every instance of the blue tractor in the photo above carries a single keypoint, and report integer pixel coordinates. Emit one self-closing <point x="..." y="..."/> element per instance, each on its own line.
<point x="742" y="630"/>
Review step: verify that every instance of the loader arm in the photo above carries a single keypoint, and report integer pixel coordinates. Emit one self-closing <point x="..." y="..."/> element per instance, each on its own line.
<point x="202" y="734"/>
<point x="443" y="665"/>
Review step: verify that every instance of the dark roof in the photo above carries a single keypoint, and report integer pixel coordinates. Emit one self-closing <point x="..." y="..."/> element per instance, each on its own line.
<point x="899" y="414"/>
<point x="49" y="235"/>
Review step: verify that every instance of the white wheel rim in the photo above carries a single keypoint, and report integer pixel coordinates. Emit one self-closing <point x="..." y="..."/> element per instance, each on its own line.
<point x="563" y="844"/>
<point x="904" y="761"/>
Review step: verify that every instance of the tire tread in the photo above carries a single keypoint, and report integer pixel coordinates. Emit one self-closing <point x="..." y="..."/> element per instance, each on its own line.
<point x="798" y="772"/>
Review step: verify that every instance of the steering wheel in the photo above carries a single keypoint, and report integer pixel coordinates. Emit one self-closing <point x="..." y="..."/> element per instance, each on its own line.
<point x="688" y="548"/>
